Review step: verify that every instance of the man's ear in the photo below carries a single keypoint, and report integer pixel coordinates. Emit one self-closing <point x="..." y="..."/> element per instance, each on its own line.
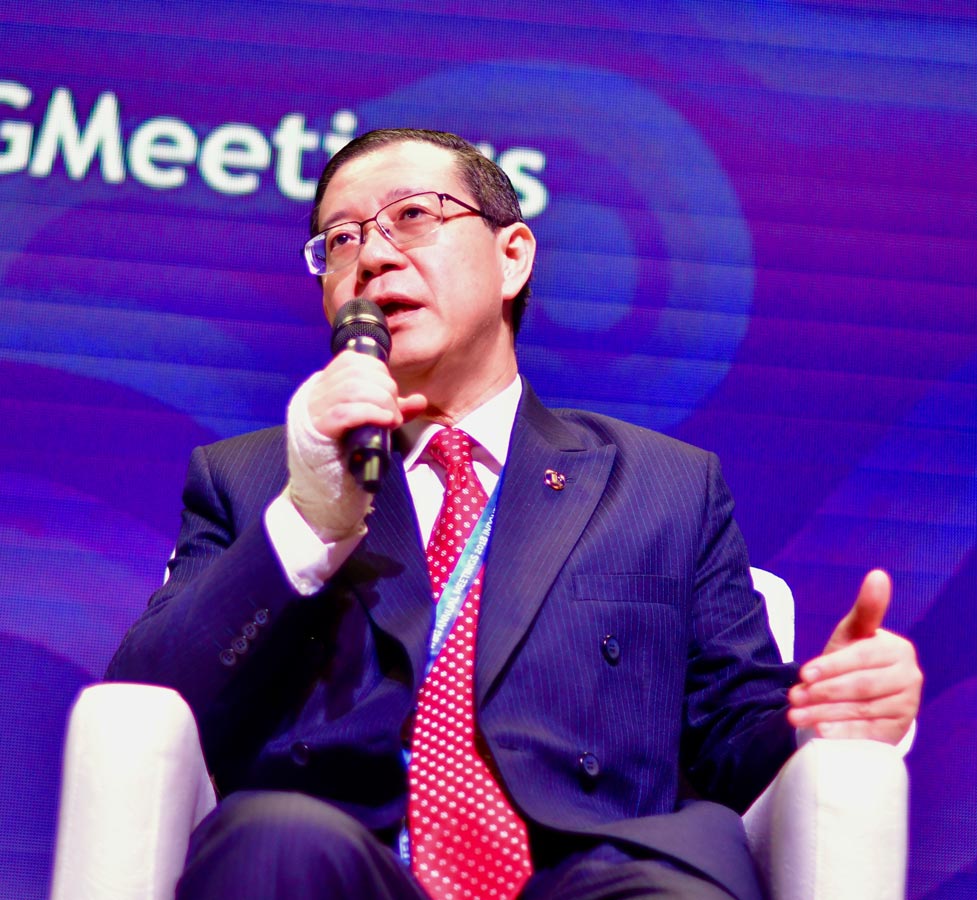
<point x="517" y="245"/>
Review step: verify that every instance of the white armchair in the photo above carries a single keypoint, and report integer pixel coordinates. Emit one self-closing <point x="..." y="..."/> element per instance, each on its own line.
<point x="133" y="788"/>
<point x="832" y="825"/>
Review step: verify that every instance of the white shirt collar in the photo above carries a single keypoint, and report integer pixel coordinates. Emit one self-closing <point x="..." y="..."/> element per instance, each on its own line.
<point x="490" y="425"/>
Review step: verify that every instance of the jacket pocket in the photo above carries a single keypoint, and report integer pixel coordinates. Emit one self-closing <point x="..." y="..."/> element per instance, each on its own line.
<point x="626" y="588"/>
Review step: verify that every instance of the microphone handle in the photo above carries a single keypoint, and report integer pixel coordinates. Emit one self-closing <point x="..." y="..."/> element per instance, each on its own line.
<point x="368" y="455"/>
<point x="368" y="446"/>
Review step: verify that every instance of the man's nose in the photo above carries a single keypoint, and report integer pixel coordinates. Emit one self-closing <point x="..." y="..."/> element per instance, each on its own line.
<point x="377" y="253"/>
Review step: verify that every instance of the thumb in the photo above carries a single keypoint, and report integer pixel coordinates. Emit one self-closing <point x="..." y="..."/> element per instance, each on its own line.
<point x="412" y="406"/>
<point x="865" y="617"/>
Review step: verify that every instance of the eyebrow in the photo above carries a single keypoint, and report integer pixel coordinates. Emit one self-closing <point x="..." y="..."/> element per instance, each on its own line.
<point x="344" y="215"/>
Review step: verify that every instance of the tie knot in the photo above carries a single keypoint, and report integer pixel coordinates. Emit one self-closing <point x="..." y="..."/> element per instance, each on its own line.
<point x="452" y="449"/>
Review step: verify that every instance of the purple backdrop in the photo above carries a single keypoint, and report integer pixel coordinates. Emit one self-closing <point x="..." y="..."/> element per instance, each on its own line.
<point x="759" y="233"/>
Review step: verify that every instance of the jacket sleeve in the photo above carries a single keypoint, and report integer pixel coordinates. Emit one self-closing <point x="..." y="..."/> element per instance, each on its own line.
<point x="736" y="735"/>
<point x="226" y="630"/>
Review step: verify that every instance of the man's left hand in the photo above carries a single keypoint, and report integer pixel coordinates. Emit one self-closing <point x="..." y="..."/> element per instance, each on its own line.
<point x="866" y="683"/>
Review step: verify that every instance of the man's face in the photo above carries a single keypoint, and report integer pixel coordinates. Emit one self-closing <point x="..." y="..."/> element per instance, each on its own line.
<point x="446" y="296"/>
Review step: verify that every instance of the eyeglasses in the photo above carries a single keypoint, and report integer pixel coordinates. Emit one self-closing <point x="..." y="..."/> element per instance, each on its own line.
<point x="401" y="222"/>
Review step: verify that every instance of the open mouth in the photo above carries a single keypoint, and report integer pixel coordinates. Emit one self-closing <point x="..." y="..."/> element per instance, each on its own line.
<point x="395" y="308"/>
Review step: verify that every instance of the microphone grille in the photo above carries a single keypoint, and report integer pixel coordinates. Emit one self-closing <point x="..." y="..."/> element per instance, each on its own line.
<point x="360" y="318"/>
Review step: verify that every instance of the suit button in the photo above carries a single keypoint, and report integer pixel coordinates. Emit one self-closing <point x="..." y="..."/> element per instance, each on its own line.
<point x="261" y="617"/>
<point x="300" y="753"/>
<point x="250" y="631"/>
<point x="589" y="766"/>
<point x="611" y="648"/>
<point x="240" y="645"/>
<point x="228" y="658"/>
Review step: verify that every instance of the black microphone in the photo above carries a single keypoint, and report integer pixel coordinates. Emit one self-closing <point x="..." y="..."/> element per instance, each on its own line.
<point x="361" y="326"/>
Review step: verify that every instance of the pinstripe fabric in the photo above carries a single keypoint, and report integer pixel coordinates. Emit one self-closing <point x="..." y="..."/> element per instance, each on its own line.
<point x="639" y="546"/>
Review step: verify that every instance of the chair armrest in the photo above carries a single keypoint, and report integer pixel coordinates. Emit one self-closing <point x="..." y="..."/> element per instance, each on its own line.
<point x="833" y="824"/>
<point x="134" y="785"/>
<point x="779" y="600"/>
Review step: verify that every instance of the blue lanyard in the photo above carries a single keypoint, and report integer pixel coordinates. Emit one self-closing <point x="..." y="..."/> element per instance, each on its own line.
<point x="449" y="606"/>
<point x="462" y="577"/>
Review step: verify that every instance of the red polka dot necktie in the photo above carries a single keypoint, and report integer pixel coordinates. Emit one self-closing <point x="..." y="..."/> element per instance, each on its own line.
<point x="467" y="843"/>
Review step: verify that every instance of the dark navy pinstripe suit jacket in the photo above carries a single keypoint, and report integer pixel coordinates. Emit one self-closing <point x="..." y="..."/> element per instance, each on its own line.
<point x="640" y="545"/>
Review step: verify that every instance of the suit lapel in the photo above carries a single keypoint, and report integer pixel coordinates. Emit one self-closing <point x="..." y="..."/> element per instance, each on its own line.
<point x="389" y="570"/>
<point x="535" y="528"/>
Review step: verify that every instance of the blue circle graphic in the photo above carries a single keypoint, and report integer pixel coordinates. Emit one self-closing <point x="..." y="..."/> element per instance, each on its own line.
<point x="645" y="279"/>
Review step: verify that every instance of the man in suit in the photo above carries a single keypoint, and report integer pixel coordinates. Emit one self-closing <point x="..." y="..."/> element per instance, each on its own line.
<point x="627" y="697"/>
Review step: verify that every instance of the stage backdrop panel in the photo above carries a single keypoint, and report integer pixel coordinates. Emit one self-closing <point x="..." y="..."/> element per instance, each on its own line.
<point x="757" y="224"/>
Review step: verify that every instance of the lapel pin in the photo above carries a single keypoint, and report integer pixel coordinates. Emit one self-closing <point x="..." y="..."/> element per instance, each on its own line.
<point x="554" y="479"/>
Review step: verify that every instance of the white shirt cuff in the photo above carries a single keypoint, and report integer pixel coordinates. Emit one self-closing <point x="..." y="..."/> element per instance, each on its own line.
<point x="307" y="561"/>
<point x="904" y="746"/>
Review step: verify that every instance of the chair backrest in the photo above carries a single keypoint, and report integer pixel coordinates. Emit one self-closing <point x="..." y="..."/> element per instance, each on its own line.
<point x="780" y="609"/>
